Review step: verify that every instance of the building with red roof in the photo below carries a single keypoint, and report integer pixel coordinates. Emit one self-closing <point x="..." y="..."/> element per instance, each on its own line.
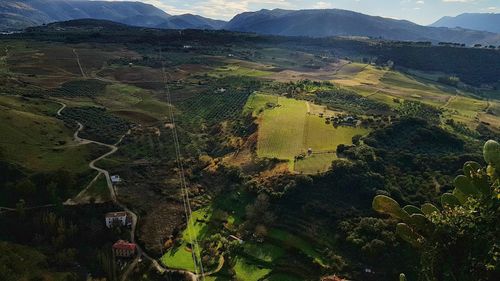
<point x="124" y="248"/>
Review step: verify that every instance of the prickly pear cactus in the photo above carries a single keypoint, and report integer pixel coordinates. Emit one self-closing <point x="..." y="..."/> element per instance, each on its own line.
<point x="448" y="200"/>
<point x="387" y="205"/>
<point x="491" y="152"/>
<point x="409" y="235"/>
<point x="410" y="209"/>
<point x="465" y="185"/>
<point x="428" y="209"/>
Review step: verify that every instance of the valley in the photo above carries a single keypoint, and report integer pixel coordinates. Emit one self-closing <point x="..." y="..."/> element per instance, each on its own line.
<point x="240" y="156"/>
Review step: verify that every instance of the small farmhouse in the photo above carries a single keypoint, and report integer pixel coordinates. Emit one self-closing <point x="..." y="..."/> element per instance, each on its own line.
<point x="115" y="179"/>
<point x="116" y="218"/>
<point x="124" y="249"/>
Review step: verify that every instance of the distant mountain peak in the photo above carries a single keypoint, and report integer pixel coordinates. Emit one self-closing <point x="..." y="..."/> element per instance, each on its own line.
<point x="476" y="21"/>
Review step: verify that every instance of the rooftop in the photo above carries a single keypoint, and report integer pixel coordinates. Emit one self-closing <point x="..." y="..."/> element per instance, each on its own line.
<point x="124" y="245"/>
<point x="116" y="214"/>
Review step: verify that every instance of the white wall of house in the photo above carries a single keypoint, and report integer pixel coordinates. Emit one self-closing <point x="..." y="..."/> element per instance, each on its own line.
<point x="110" y="221"/>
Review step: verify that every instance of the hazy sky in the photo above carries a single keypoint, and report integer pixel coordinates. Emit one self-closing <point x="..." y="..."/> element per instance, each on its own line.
<point x="419" y="11"/>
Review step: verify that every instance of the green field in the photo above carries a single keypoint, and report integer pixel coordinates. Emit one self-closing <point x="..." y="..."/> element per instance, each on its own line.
<point x="265" y="252"/>
<point x="316" y="163"/>
<point x="249" y="272"/>
<point x="287" y="130"/>
<point x="281" y="129"/>
<point x="181" y="256"/>
<point x="324" y="137"/>
<point x="292" y="241"/>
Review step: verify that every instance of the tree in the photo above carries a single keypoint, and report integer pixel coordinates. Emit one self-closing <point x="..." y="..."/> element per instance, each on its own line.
<point x="356" y="139"/>
<point x="21" y="208"/>
<point x="460" y="240"/>
<point x="26" y="188"/>
<point x="260" y="230"/>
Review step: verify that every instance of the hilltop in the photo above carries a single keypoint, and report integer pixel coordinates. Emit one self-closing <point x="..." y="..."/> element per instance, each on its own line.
<point x="477" y="21"/>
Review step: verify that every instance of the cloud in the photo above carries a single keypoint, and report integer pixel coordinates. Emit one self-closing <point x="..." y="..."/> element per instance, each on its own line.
<point x="458" y="1"/>
<point x="161" y="4"/>
<point x="420" y="2"/>
<point x="217" y="9"/>
<point x="322" y="5"/>
<point x="226" y="9"/>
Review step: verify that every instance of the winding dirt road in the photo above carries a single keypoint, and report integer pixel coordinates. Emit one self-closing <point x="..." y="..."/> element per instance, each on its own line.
<point x="140" y="252"/>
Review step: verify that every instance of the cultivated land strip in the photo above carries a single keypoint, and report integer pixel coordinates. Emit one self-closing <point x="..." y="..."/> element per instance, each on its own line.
<point x="79" y="64"/>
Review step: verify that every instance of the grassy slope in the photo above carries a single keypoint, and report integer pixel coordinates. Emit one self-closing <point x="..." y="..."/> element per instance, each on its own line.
<point x="133" y="103"/>
<point x="249" y="272"/>
<point x="323" y="137"/>
<point x="266" y="252"/>
<point x="315" y="163"/>
<point x="34" y="139"/>
<point x="385" y="86"/>
<point x="180" y="257"/>
<point x="289" y="240"/>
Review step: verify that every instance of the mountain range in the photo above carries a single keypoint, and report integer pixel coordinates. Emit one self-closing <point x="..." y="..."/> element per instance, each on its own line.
<point x="335" y="22"/>
<point x="476" y="21"/>
<point x="17" y="14"/>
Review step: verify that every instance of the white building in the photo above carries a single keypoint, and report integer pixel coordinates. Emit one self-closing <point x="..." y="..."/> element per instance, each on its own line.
<point x="115" y="179"/>
<point x="116" y="218"/>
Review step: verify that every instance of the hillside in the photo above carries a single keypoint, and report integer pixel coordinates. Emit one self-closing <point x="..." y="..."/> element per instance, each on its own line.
<point x="476" y="21"/>
<point x="191" y="21"/>
<point x="16" y="14"/>
<point x="334" y="22"/>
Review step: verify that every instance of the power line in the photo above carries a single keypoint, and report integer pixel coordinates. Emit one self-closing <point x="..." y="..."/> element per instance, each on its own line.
<point x="195" y="251"/>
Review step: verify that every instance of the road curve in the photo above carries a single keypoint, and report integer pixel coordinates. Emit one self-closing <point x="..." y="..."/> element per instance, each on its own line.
<point x="140" y="252"/>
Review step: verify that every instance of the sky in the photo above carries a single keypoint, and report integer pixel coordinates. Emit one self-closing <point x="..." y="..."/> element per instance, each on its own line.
<point x="419" y="11"/>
